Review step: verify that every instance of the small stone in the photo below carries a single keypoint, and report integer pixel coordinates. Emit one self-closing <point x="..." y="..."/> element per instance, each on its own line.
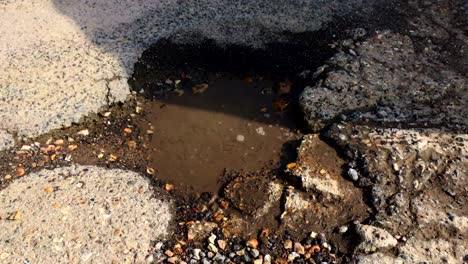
<point x="107" y="114"/>
<point x="326" y="245"/>
<point x="48" y="190"/>
<point x="72" y="147"/>
<point x="212" y="238"/>
<point x="222" y="244"/>
<point x="158" y="246"/>
<point x="149" y="259"/>
<point x="173" y="260"/>
<point x="298" y="248"/>
<point x="169" y="187"/>
<point x="292" y="256"/>
<point x="288" y="244"/>
<point x="266" y="259"/>
<point x="260" y="131"/>
<point x="127" y="131"/>
<point x="196" y="253"/>
<point x="178" y="249"/>
<point x="219" y="258"/>
<point x="7" y="177"/>
<point x="25" y="148"/>
<point x="255" y="253"/>
<point x="343" y="229"/>
<point x="200" y="230"/>
<point x="112" y="158"/>
<point x="223" y="204"/>
<point x="210" y="255"/>
<point x="131" y="144"/>
<point x="100" y="155"/>
<point x="84" y="132"/>
<point x="212" y="248"/>
<point x="240" y="252"/>
<point x="253" y="243"/>
<point x="240" y="138"/>
<point x="258" y="261"/>
<point x="59" y="142"/>
<point x="353" y="175"/>
<point x="20" y="171"/>
<point x="168" y="253"/>
<point x="138" y="109"/>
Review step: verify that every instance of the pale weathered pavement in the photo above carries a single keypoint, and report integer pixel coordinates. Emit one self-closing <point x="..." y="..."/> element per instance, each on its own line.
<point x="80" y="214"/>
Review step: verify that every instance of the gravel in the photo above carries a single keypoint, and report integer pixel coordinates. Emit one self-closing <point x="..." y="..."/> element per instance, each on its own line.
<point x="81" y="214"/>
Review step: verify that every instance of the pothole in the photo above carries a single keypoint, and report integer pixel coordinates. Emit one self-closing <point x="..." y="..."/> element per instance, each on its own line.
<point x="223" y="108"/>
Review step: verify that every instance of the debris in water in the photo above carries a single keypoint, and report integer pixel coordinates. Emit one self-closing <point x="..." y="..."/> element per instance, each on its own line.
<point x="201" y="88"/>
<point x="169" y="187"/>
<point x="284" y="87"/>
<point x="149" y="170"/>
<point x="179" y="92"/>
<point x="280" y="105"/>
<point x="260" y="131"/>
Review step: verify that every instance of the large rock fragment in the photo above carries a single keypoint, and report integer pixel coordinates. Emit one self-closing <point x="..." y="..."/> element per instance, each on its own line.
<point x="374" y="238"/>
<point x="254" y="195"/>
<point x="303" y="212"/>
<point x="318" y="168"/>
<point x="398" y="165"/>
<point x="384" y="79"/>
<point x="200" y="230"/>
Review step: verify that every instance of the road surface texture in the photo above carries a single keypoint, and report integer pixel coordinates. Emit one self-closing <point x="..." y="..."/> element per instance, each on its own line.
<point x="392" y="101"/>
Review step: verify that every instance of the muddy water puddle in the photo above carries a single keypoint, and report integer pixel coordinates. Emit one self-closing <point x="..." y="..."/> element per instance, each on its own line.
<point x="222" y="125"/>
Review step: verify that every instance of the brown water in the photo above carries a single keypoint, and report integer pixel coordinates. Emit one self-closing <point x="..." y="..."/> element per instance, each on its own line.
<point x="198" y="136"/>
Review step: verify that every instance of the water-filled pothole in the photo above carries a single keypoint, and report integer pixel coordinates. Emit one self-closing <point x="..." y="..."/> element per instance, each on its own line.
<point x="241" y="131"/>
<point x="215" y="109"/>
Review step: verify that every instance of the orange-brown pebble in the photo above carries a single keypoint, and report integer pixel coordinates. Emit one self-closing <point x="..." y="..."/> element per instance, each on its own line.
<point x="253" y="243"/>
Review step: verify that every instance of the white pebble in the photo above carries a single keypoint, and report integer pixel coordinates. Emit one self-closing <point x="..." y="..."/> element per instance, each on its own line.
<point x="260" y="131"/>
